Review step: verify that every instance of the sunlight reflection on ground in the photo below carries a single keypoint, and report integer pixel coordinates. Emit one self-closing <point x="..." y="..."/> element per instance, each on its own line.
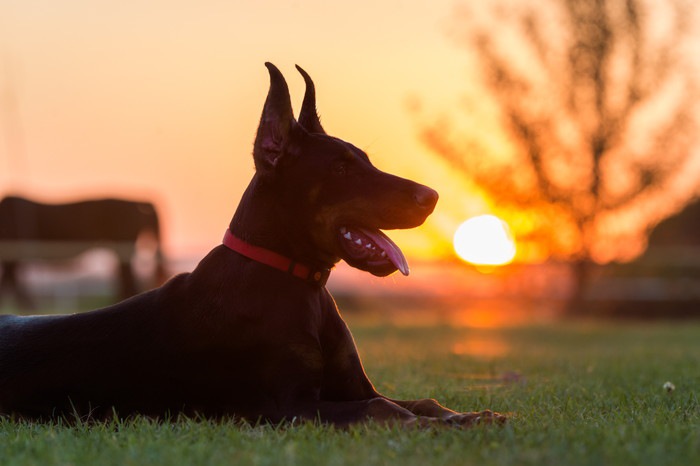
<point x="469" y="313"/>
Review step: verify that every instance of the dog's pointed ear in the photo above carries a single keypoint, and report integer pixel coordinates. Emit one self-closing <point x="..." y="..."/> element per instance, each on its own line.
<point x="276" y="123"/>
<point x="308" y="116"/>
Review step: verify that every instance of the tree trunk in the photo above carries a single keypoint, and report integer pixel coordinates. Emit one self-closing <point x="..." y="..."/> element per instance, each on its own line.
<point x="578" y="305"/>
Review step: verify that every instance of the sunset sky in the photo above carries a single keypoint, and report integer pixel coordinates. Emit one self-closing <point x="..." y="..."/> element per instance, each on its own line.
<point x="161" y="99"/>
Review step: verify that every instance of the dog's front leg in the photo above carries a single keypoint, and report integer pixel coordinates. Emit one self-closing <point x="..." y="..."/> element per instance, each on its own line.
<point x="345" y="413"/>
<point x="345" y="379"/>
<point x="388" y="412"/>
<point x="432" y="409"/>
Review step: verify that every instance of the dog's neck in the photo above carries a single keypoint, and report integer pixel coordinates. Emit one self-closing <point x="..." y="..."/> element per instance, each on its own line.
<point x="262" y="220"/>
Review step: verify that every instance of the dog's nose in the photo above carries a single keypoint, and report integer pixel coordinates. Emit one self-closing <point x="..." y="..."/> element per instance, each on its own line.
<point x="425" y="197"/>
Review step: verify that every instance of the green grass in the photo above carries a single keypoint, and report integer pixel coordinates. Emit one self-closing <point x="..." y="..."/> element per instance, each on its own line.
<point x="577" y="394"/>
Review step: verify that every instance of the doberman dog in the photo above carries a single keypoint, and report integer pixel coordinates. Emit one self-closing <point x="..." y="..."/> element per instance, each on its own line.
<point x="34" y="231"/>
<point x="252" y="332"/>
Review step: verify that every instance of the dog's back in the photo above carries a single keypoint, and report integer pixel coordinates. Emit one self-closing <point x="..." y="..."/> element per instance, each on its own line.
<point x="57" y="365"/>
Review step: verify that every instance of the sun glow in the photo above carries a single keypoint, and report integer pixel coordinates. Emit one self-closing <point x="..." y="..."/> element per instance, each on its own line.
<point x="484" y="241"/>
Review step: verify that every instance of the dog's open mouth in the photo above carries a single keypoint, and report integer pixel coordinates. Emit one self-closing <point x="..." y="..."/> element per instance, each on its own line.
<point x="372" y="250"/>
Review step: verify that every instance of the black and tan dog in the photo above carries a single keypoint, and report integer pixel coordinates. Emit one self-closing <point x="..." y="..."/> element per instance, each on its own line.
<point x="252" y="332"/>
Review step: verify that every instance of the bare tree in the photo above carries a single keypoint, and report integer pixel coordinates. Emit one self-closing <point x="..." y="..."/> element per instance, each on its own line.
<point x="598" y="100"/>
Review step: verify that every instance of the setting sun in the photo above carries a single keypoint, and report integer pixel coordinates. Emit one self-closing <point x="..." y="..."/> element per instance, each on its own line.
<point x="484" y="240"/>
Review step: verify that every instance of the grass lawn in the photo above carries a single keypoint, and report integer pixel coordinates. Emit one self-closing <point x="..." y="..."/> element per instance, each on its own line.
<point x="577" y="394"/>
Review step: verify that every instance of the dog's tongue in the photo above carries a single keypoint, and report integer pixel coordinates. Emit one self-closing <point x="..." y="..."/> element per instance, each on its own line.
<point x="392" y="251"/>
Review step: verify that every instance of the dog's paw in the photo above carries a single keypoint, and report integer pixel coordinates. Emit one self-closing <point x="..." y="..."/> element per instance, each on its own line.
<point x="477" y="417"/>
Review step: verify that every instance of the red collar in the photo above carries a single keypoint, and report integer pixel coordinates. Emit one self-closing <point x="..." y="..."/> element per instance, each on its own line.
<point x="278" y="261"/>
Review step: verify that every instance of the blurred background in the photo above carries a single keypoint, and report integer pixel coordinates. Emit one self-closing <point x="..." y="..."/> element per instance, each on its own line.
<point x="560" y="134"/>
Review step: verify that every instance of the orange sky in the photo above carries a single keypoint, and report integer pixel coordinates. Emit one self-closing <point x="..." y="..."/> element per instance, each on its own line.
<point x="161" y="99"/>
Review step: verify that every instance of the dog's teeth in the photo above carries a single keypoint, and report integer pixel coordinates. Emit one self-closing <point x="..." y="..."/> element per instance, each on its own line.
<point x="358" y="241"/>
<point x="347" y="236"/>
<point x="369" y="246"/>
<point x="383" y="254"/>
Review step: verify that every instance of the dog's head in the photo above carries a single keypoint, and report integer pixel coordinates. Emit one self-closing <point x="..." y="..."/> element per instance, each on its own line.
<point x="335" y="200"/>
